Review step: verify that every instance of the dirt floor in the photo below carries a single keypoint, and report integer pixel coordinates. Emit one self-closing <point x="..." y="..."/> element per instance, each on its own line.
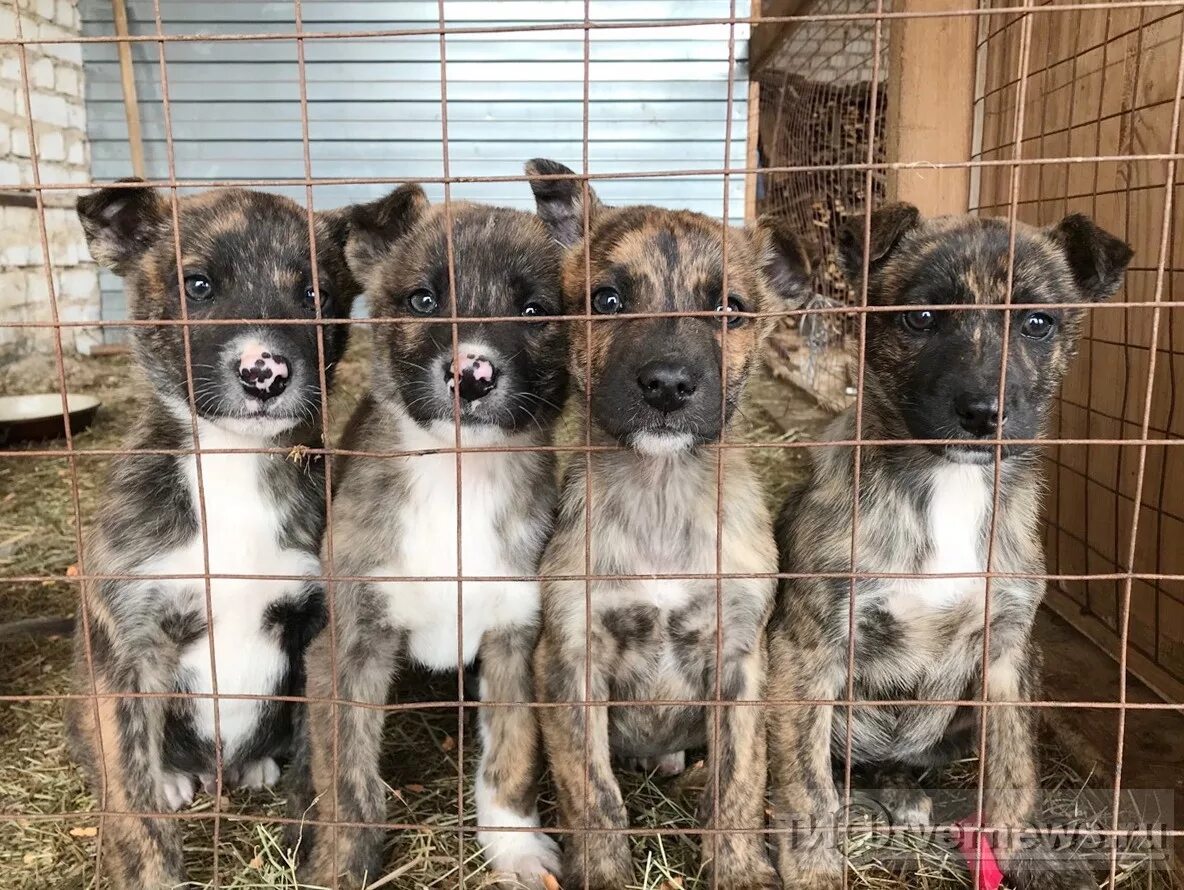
<point x="47" y="839"/>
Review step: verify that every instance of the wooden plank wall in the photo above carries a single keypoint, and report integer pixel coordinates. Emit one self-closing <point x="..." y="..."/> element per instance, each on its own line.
<point x="1102" y="82"/>
<point x="931" y="105"/>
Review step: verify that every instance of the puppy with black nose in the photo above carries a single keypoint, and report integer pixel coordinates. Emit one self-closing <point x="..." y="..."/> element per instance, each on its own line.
<point x="662" y="392"/>
<point x="502" y="383"/>
<point x="927" y="508"/>
<point x="255" y="385"/>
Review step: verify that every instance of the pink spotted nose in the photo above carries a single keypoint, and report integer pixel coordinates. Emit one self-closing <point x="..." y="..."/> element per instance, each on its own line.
<point x="478" y="376"/>
<point x="263" y="373"/>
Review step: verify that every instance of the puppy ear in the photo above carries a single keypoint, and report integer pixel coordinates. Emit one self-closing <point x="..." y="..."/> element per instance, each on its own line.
<point x="560" y="202"/>
<point x="783" y="259"/>
<point x="1097" y="259"/>
<point x="374" y="227"/>
<point x="122" y="223"/>
<point x="332" y="236"/>
<point x="888" y="225"/>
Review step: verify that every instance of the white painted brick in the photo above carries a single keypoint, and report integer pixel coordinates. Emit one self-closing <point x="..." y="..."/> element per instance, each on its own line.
<point x="77" y="282"/>
<point x="51" y="147"/>
<point x="59" y="120"/>
<point x="42" y="73"/>
<point x="76" y="153"/>
<point x="13" y="289"/>
<point x="64" y="52"/>
<point x="20" y="140"/>
<point x="66" y="80"/>
<point x="15" y="255"/>
<point x="53" y="172"/>
<point x="76" y="116"/>
<point x="38" y="289"/>
<point x="67" y="15"/>
<point x="10" y="68"/>
<point x="65" y="254"/>
<point x="10" y="173"/>
<point x="49" y="109"/>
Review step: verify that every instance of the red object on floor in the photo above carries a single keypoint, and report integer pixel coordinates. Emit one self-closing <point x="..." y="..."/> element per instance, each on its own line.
<point x="975" y="848"/>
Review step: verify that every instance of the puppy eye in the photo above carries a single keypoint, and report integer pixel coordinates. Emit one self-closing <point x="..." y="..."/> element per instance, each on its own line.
<point x="1038" y="325"/>
<point x="733" y="304"/>
<point x="310" y="298"/>
<point x="198" y="287"/>
<point x="533" y="309"/>
<point x="606" y="301"/>
<point x="423" y="302"/>
<point x="920" y="320"/>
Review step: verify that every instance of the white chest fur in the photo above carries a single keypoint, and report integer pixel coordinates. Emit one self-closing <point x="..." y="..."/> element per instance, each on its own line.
<point x="956" y="524"/>
<point x="429" y="610"/>
<point x="243" y="539"/>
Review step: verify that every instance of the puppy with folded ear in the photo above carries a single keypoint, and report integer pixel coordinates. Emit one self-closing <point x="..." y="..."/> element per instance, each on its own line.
<point x="662" y="391"/>
<point x="256" y="384"/>
<point x="929" y="509"/>
<point x="502" y="385"/>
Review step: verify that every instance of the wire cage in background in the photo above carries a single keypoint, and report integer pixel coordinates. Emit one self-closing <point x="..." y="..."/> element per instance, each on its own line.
<point x="817" y="87"/>
<point x="1030" y="109"/>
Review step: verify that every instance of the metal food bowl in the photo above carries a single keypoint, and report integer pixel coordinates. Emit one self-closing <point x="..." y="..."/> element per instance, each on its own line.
<point x="38" y="417"/>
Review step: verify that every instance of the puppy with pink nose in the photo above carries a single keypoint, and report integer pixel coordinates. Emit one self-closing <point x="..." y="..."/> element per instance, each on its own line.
<point x="500" y="384"/>
<point x="230" y="395"/>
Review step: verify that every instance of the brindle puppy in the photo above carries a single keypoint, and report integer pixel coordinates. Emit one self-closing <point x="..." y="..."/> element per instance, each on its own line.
<point x="665" y="389"/>
<point x="256" y="385"/>
<point x="398" y="517"/>
<point x="926" y="509"/>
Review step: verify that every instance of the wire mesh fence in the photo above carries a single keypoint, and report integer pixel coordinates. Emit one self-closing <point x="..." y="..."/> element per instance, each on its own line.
<point x="1077" y="109"/>
<point x="815" y="101"/>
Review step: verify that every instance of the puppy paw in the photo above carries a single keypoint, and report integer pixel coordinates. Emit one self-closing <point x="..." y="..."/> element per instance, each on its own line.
<point x="817" y="882"/>
<point x="608" y="860"/>
<point x="261" y="773"/>
<point x="179" y="790"/>
<point x="1047" y="869"/>
<point x="752" y="874"/>
<point x="815" y="868"/>
<point x="524" y="857"/>
<point x="667" y="765"/>
<point x="908" y="807"/>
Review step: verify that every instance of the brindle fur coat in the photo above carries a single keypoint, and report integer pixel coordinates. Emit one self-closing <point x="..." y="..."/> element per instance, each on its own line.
<point x="264" y="515"/>
<point x="927" y="509"/>
<point x="653" y="511"/>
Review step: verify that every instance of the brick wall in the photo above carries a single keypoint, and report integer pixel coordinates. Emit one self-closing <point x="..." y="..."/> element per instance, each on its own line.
<point x="59" y="125"/>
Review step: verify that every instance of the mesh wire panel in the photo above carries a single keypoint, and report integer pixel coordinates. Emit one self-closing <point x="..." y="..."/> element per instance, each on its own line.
<point x="1077" y="109"/>
<point x="816" y="119"/>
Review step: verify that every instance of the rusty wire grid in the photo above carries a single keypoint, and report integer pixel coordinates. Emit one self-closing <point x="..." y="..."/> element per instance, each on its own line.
<point x="816" y="113"/>
<point x="1068" y="120"/>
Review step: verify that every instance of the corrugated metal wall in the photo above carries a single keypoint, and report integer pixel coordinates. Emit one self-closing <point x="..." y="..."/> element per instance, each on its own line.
<point x="658" y="97"/>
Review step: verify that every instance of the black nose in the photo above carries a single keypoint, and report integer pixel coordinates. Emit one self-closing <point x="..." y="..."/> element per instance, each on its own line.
<point x="667" y="386"/>
<point x="478" y="377"/>
<point x="977" y="413"/>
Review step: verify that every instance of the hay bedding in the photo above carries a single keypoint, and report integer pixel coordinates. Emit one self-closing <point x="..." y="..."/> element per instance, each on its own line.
<point x="424" y="744"/>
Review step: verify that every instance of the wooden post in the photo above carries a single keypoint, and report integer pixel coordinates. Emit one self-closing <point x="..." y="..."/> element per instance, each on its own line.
<point x="930" y="114"/>
<point x="752" y="157"/>
<point x="131" y="102"/>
